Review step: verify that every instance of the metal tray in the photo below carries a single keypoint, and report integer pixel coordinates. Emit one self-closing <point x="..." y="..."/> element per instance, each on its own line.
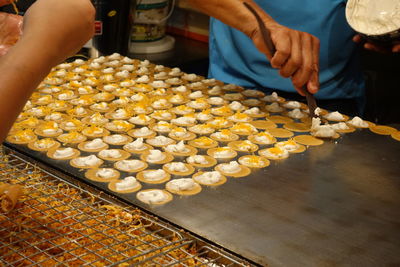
<point x="91" y="244"/>
<point x="334" y="205"/>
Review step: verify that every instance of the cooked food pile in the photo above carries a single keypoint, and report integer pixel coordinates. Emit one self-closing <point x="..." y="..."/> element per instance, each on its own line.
<point x="133" y="125"/>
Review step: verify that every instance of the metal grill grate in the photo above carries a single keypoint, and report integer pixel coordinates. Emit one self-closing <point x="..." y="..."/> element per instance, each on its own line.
<point x="58" y="223"/>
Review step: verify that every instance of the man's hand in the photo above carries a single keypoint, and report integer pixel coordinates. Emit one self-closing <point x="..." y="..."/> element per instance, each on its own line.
<point x="394" y="48"/>
<point x="296" y="56"/>
<point x="61" y="27"/>
<point x="10" y="31"/>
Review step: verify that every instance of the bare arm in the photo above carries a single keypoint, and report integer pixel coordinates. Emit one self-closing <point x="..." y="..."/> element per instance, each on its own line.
<point x="297" y="53"/>
<point x="53" y="30"/>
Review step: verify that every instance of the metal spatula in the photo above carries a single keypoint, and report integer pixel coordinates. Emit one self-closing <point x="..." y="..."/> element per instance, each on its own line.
<point x="312" y="104"/>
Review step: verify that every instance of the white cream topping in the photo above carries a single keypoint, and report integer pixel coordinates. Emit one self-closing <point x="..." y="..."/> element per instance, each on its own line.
<point x="91" y="160"/>
<point x="267" y="153"/>
<point x="287" y="146"/>
<point x="235" y="105"/>
<point x="109" y="87"/>
<point x="175" y="71"/>
<point x="95" y="144"/>
<point x="155" y="156"/>
<point x="180" y="148"/>
<point x="114" y="56"/>
<point x="143" y="79"/>
<point x="340" y="126"/>
<point x="274" y="107"/>
<point x="153" y="196"/>
<point x="209" y="178"/>
<point x="335" y="116"/>
<point x="190" y="77"/>
<point x="184" y="120"/>
<point x="129" y="164"/>
<point x="136" y="145"/>
<point x="140" y="119"/>
<point x="160" y="140"/>
<point x="296" y="114"/>
<point x="63" y="153"/>
<point x="105" y="173"/>
<point x="215" y="90"/>
<point x="127" y="183"/>
<point x="196" y="94"/>
<point x="263" y="139"/>
<point x="158" y="84"/>
<point x="204" y="116"/>
<point x="108" y="70"/>
<point x="154" y="175"/>
<point x="142" y="70"/>
<point x="271" y="98"/>
<point x="137" y="97"/>
<point x="53" y="116"/>
<point x="115" y="138"/>
<point x="182" y="184"/>
<point x="126" y="83"/>
<point x="176" y="167"/>
<point x="110" y="153"/>
<point x="160" y="103"/>
<point x="252" y="111"/>
<point x="216" y="100"/>
<point x="127" y="60"/>
<point x="95" y="65"/>
<point x="180" y="89"/>
<point x="100" y="59"/>
<point x="173" y="80"/>
<point x="358" y="122"/>
<point x="292" y="104"/>
<point x="144" y="131"/>
<point x="160" y="75"/>
<point x="225" y="152"/>
<point x="318" y="130"/>
<point x="231" y="167"/>
<point x="197" y="159"/>
<point x="127" y="67"/>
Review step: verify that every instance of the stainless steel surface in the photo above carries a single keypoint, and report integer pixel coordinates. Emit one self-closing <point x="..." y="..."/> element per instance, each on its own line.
<point x="333" y="205"/>
<point x="61" y="224"/>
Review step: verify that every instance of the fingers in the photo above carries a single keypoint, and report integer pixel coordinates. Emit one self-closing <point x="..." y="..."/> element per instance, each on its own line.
<point x="357" y="38"/>
<point x="295" y="60"/>
<point x="303" y="74"/>
<point x="283" y="46"/>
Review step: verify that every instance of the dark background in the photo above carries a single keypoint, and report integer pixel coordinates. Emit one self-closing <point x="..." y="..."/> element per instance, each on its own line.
<point x="382" y="72"/>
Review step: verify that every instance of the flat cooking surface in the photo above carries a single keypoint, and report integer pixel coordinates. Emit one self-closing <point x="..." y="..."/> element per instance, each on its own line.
<point x="336" y="204"/>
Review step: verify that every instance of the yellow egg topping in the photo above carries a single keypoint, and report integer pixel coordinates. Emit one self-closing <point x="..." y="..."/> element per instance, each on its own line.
<point x="204" y="141"/>
<point x="24" y="135"/>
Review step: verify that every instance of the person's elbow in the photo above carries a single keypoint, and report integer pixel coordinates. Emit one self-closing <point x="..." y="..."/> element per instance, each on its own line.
<point x="88" y="16"/>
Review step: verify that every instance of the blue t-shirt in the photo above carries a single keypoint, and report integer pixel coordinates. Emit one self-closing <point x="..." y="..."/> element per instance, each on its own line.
<point x="234" y="58"/>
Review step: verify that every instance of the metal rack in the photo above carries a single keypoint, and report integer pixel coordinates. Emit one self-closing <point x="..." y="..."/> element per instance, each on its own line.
<point x="60" y="223"/>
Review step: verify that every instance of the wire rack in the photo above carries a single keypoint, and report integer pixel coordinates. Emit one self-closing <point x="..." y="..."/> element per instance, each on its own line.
<point x="58" y="223"/>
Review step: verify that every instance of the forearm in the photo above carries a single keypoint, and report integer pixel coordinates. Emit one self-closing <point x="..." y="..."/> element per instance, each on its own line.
<point x="232" y="13"/>
<point x="22" y="69"/>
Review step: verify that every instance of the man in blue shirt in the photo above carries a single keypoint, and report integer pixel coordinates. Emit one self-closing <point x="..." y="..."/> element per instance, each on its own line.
<point x="314" y="49"/>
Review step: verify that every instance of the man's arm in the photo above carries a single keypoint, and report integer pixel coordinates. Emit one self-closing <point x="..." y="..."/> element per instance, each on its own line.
<point x="297" y="53"/>
<point x="53" y="30"/>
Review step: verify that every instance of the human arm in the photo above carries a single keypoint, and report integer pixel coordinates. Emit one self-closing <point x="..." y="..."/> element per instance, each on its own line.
<point x="393" y="48"/>
<point x="297" y="53"/>
<point x="53" y="30"/>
